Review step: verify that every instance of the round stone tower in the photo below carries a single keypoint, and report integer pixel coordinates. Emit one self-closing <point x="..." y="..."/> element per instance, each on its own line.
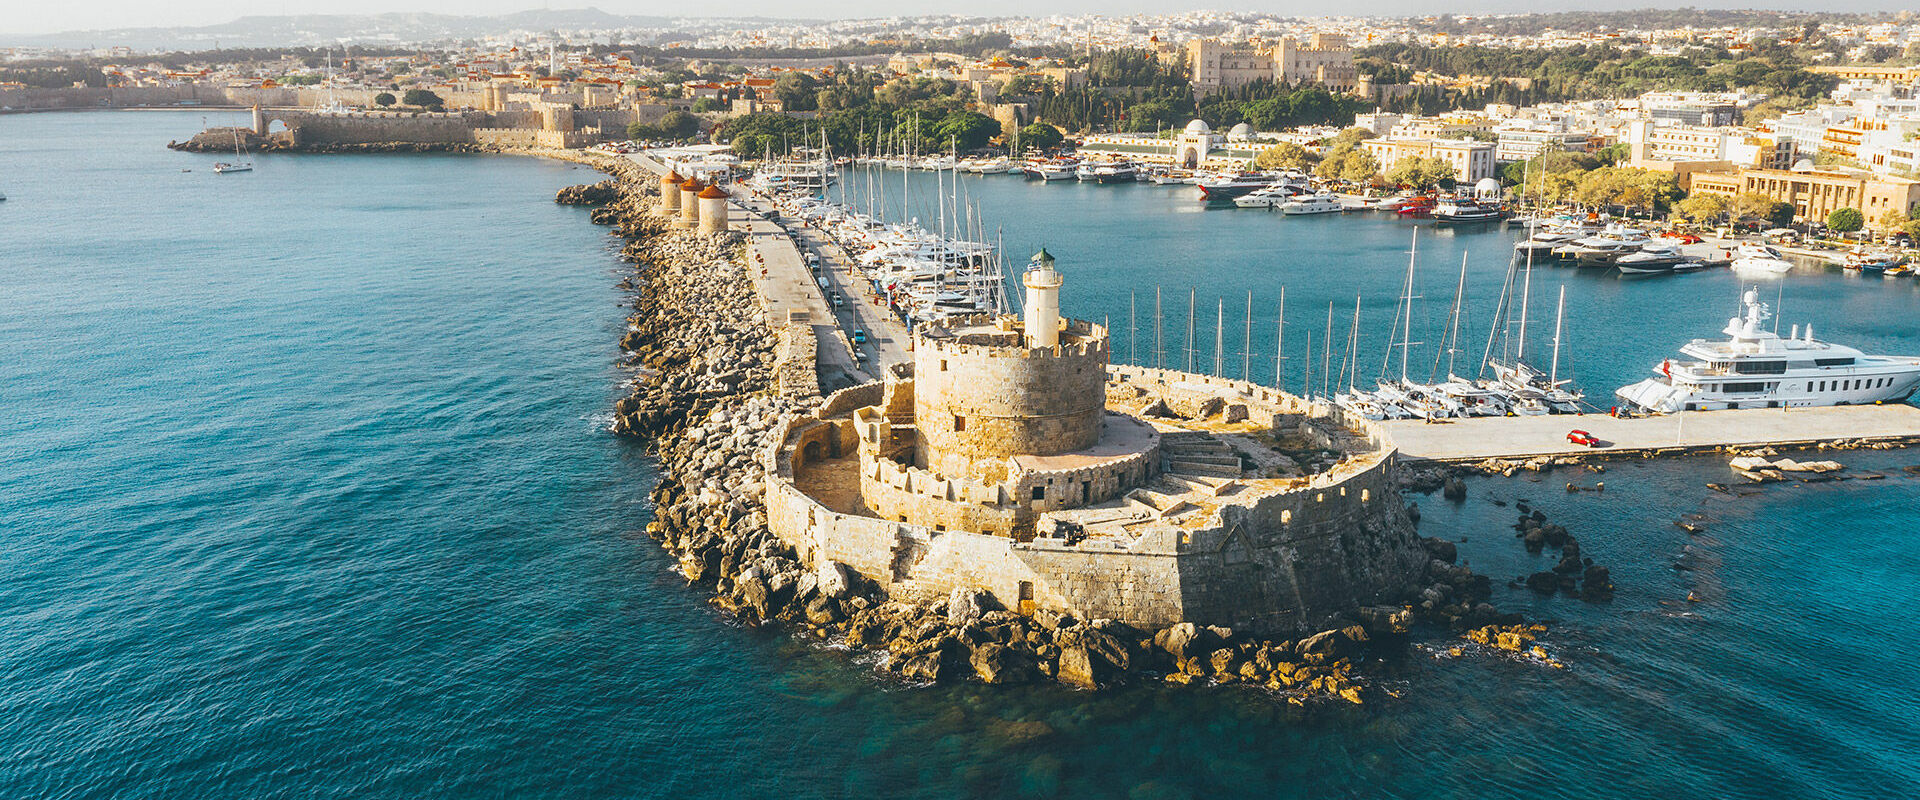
<point x="986" y="388"/>
<point x="713" y="210"/>
<point x="670" y="193"/>
<point x="690" y="202"/>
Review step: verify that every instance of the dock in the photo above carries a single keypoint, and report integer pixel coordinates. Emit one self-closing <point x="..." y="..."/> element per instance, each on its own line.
<point x="1481" y="438"/>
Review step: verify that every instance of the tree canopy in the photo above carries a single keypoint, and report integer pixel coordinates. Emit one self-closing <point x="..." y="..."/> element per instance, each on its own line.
<point x="1846" y="220"/>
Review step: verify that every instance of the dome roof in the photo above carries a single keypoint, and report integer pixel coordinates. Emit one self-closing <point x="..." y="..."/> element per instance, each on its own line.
<point x="712" y="192"/>
<point x="672" y="176"/>
<point x="1198" y="127"/>
<point x="692" y="185"/>
<point x="1241" y="131"/>
<point x="1487" y="186"/>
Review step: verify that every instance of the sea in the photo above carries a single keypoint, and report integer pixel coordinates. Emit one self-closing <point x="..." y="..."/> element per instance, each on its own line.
<point x="305" y="492"/>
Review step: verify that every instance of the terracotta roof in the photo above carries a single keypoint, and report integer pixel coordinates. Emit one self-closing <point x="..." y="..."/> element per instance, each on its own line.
<point x="713" y="192"/>
<point x="692" y="185"/>
<point x="673" y="177"/>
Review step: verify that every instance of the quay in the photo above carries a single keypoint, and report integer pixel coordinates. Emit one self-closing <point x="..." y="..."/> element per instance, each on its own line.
<point x="792" y="293"/>
<point x="1481" y="438"/>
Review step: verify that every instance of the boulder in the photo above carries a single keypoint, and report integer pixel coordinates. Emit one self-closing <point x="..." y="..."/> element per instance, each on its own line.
<point x="1076" y="667"/>
<point x="965" y="606"/>
<point x="834" y="579"/>
<point x="1543" y="582"/>
<point x="996" y="663"/>
<point x="1441" y="549"/>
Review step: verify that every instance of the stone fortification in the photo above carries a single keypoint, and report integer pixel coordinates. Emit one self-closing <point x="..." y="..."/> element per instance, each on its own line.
<point x="981" y="393"/>
<point x="731" y="439"/>
<point x="1267" y="554"/>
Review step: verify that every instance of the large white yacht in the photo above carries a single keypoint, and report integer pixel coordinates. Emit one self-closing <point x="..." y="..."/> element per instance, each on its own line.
<point x="1756" y="368"/>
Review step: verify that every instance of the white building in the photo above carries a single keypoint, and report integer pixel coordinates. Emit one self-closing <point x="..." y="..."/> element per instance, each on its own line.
<point x="1471" y="160"/>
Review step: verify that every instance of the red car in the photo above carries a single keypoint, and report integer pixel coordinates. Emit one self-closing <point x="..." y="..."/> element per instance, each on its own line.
<point x="1583" y="438"/>
<point x="1682" y="238"/>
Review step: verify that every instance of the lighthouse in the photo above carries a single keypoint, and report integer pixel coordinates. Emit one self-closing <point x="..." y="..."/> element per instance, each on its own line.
<point x="1043" y="301"/>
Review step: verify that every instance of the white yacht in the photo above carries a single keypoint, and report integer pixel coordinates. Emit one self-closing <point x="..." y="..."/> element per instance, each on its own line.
<point x="1322" y="203"/>
<point x="1756" y="368"/>
<point x="1271" y="196"/>
<point x="1756" y="257"/>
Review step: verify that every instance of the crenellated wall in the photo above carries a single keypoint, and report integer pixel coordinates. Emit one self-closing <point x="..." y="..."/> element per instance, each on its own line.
<point x="980" y="396"/>
<point x="1276" y="556"/>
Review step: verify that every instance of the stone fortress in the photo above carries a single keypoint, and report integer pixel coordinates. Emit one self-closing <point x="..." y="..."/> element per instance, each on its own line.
<point x="1012" y="457"/>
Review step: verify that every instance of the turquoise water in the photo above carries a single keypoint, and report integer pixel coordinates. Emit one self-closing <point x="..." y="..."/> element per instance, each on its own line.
<point x="305" y="494"/>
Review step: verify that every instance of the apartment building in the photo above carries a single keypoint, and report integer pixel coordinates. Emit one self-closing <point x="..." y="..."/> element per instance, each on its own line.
<point x="1471" y="160"/>
<point x="1816" y="192"/>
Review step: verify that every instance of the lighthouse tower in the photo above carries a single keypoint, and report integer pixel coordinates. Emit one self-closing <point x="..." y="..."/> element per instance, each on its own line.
<point x="1043" y="301"/>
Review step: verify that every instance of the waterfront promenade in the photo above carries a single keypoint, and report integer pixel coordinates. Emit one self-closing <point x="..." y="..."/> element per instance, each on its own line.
<point x="1481" y="438"/>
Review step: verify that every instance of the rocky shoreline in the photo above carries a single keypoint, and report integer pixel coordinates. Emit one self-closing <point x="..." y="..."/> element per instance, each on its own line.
<point x="704" y="393"/>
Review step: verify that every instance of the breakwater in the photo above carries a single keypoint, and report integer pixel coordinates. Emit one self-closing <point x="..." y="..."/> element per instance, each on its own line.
<point x="706" y="391"/>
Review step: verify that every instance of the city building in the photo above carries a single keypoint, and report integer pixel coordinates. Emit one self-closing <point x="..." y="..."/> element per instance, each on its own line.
<point x="1325" y="60"/>
<point x="1196" y="146"/>
<point x="1471" y="160"/>
<point x="1815" y="192"/>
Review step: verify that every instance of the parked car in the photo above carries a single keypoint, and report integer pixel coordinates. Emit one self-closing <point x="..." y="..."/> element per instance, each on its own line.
<point x="1679" y="237"/>
<point x="1581" y="437"/>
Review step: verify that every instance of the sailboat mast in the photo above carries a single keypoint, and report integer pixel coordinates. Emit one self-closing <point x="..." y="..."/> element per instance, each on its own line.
<point x="1526" y="292"/>
<point x="1326" y="354"/>
<point x="1280" y="343"/>
<point x="1220" y="338"/>
<point x="1246" y="343"/>
<point x="1453" y="332"/>
<point x="1190" y="298"/>
<point x="1406" y="337"/>
<point x="1553" y="373"/>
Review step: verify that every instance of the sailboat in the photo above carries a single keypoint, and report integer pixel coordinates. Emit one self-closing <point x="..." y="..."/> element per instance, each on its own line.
<point x="239" y="152"/>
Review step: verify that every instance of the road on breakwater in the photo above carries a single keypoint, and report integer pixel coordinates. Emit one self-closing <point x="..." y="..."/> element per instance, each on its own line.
<point x="785" y="286"/>
<point x="1480" y="438"/>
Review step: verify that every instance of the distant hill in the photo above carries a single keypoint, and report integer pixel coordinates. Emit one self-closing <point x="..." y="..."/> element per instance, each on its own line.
<point x="366" y="29"/>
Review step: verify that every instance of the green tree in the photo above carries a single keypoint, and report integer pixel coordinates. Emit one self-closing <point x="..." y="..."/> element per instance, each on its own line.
<point x="795" y="90"/>
<point x="677" y="124"/>
<point x="1040" y="136"/>
<point x="707" y="104"/>
<point x="1422" y="172"/>
<point x="422" y="98"/>
<point x="384" y="99"/>
<point x="967" y="130"/>
<point x="1702" y="208"/>
<point x="1285" y="155"/>
<point x="1846" y="220"/>
<point x="1754" y="205"/>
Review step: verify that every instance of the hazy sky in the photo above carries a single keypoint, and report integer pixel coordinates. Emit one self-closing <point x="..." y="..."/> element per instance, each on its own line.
<point x="28" y="16"/>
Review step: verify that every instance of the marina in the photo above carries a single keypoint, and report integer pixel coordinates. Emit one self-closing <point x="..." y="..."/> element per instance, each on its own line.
<point x="1514" y="409"/>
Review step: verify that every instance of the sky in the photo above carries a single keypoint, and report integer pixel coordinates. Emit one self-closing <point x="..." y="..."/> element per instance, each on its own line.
<point x="27" y="17"/>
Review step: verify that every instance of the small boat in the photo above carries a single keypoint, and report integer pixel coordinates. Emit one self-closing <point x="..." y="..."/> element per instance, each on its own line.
<point x="1106" y="172"/>
<point x="1870" y="260"/>
<point x="1461" y="209"/>
<point x="1756" y="257"/>
<point x="1322" y="203"/>
<point x="1416" y="207"/>
<point x="1227" y="188"/>
<point x="236" y="165"/>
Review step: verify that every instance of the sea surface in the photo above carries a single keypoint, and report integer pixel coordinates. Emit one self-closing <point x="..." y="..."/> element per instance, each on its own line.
<point x="304" y="493"/>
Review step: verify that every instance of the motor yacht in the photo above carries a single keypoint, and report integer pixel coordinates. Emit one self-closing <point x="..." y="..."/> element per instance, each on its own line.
<point x="1756" y="257"/>
<point x="1754" y="367"/>
<point x="1272" y="196"/>
<point x="1322" y="203"/>
<point x="1651" y="258"/>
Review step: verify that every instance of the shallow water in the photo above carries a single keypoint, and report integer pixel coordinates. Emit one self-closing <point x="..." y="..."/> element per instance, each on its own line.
<point x="306" y="495"/>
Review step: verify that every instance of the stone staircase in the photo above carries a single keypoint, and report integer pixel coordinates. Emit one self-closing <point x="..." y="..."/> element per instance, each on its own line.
<point x="1197" y="454"/>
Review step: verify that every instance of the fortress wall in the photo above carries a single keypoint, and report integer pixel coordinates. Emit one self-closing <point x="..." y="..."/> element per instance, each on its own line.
<point x="981" y="401"/>
<point x="1276" y="562"/>
<point x="900" y="492"/>
<point x="1288" y="560"/>
<point x="1269" y="399"/>
<point x="385" y="126"/>
<point x="1073" y="488"/>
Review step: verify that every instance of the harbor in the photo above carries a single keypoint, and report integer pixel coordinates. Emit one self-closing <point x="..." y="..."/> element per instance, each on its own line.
<point x="806" y="262"/>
